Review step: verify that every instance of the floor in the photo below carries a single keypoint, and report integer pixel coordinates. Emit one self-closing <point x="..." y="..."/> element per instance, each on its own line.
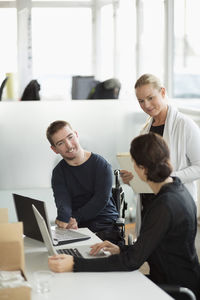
<point x="129" y="228"/>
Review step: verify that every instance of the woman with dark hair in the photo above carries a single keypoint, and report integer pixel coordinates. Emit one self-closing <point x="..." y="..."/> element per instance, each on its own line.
<point x="167" y="236"/>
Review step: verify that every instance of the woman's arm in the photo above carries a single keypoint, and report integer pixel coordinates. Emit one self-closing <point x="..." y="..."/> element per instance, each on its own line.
<point x="190" y="170"/>
<point x="61" y="263"/>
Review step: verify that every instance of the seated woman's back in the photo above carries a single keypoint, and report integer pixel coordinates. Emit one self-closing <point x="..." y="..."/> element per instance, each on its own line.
<point x="174" y="259"/>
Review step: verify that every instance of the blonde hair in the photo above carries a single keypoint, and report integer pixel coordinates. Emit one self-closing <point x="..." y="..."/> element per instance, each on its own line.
<point x="149" y="79"/>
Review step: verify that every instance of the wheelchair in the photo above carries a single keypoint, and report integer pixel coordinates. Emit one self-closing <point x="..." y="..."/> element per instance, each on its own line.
<point x="178" y="292"/>
<point x="121" y="205"/>
<point x="117" y="234"/>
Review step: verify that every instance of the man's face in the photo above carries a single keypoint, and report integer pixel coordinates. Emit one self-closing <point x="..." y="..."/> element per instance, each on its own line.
<point x="66" y="143"/>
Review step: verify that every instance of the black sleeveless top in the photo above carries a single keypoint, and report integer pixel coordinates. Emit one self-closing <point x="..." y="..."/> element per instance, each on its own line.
<point x="158" y="129"/>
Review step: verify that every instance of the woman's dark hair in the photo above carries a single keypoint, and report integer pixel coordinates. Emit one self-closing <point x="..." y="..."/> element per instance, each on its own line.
<point x="151" y="151"/>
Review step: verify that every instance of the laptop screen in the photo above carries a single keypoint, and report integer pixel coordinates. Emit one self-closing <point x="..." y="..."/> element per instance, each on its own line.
<point x="24" y="211"/>
<point x="44" y="232"/>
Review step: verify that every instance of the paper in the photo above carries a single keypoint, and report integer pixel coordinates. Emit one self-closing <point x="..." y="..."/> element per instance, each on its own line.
<point x="136" y="183"/>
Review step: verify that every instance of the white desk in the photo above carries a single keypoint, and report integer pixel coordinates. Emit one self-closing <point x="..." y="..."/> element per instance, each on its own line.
<point x="89" y="286"/>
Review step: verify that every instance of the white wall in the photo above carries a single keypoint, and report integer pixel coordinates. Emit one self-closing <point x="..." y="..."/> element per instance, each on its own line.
<point x="26" y="160"/>
<point x="105" y="127"/>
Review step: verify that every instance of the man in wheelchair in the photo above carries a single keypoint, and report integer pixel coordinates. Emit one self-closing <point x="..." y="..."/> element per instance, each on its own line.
<point x="82" y="186"/>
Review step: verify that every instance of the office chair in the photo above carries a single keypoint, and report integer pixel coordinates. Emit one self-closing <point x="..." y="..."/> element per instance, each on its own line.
<point x="178" y="291"/>
<point x="2" y="87"/>
<point x="108" y="89"/>
<point x="31" y="91"/>
<point x="82" y="85"/>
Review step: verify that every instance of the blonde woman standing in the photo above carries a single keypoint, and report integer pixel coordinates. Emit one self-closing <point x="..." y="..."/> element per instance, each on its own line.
<point x="180" y="132"/>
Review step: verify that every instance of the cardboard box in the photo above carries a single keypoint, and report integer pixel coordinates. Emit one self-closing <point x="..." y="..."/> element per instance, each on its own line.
<point x="12" y="259"/>
<point x="3" y="215"/>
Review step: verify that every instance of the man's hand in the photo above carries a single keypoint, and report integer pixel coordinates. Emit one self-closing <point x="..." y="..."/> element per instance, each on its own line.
<point x="61" y="224"/>
<point x="107" y="246"/>
<point x="61" y="263"/>
<point x="71" y="225"/>
<point x="126" y="176"/>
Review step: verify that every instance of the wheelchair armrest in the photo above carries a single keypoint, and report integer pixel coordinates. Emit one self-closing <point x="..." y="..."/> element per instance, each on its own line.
<point x="170" y="289"/>
<point x="120" y="222"/>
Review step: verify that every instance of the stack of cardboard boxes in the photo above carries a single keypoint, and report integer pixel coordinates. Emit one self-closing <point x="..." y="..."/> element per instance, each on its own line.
<point x="12" y="256"/>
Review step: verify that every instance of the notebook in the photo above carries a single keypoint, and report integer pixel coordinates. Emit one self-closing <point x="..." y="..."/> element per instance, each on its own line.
<point x="25" y="214"/>
<point x="136" y="183"/>
<point x="79" y="251"/>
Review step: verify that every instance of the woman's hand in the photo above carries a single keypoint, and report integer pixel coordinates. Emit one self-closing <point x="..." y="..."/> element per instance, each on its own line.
<point x="61" y="263"/>
<point x="126" y="176"/>
<point x="106" y="246"/>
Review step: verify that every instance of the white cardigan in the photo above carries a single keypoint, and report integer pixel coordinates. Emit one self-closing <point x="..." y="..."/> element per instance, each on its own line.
<point x="183" y="138"/>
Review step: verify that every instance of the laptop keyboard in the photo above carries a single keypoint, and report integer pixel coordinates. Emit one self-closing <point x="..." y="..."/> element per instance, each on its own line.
<point x="71" y="251"/>
<point x="62" y="234"/>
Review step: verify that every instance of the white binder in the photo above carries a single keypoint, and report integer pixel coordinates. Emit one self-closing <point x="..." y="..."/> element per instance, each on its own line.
<point x="136" y="183"/>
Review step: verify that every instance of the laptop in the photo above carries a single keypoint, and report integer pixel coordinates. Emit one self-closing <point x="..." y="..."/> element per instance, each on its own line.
<point x="59" y="236"/>
<point x="79" y="251"/>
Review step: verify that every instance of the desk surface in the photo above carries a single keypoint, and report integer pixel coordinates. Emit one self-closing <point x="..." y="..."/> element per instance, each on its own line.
<point x="90" y="286"/>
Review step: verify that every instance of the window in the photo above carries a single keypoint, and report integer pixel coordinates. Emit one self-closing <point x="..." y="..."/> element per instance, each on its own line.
<point x="117" y="45"/>
<point x="59" y="0"/>
<point x="151" y="37"/>
<point x="8" y="34"/>
<point x="61" y="42"/>
<point x="126" y="41"/>
<point x="107" y="42"/>
<point x="187" y="49"/>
